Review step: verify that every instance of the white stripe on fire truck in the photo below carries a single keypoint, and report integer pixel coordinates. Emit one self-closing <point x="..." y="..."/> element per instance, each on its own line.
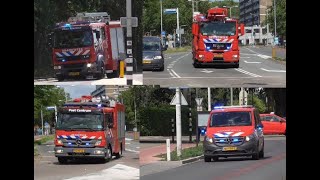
<point x="225" y="40"/>
<point x="84" y="137"/>
<point x="58" y="54"/>
<point x="92" y="137"/>
<point x="65" y="53"/>
<point x="238" y="134"/>
<point x="100" y="137"/>
<point x="231" y="40"/>
<point x="73" y="137"/>
<point x="220" y="135"/>
<point x="78" y="52"/>
<point x="86" y="52"/>
<point x="58" y="137"/>
<point x="64" y="136"/>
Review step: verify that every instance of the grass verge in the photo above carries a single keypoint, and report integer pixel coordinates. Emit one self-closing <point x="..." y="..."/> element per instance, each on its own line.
<point x="44" y="139"/>
<point x="185" y="153"/>
<point x="175" y="50"/>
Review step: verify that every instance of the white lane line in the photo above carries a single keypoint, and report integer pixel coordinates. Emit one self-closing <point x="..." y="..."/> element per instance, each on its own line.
<point x="264" y="56"/>
<point x="175" y="73"/>
<point x="132" y="150"/>
<point x="272" y="70"/>
<point x="169" y="70"/>
<point x="206" y="71"/>
<point x="117" y="172"/>
<point x="252" y="50"/>
<point x="248" y="73"/>
<point x="251" y="62"/>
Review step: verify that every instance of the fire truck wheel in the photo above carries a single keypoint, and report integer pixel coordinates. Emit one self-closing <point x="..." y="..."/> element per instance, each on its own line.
<point x="207" y="159"/>
<point x="196" y="65"/>
<point x="62" y="160"/>
<point x="256" y="156"/>
<point x="236" y="65"/>
<point x="119" y="154"/>
<point x="114" y="74"/>
<point x="108" y="154"/>
<point x="162" y="68"/>
<point x="261" y="153"/>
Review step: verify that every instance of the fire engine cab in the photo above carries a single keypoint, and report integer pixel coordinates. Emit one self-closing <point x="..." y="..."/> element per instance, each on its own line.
<point x="90" y="127"/>
<point x="88" y="45"/>
<point x="233" y="131"/>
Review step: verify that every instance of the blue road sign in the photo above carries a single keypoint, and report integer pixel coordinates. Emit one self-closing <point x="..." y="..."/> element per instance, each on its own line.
<point x="170" y="11"/>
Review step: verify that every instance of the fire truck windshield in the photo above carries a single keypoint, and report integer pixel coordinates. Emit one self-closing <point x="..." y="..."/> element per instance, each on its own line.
<point x="72" y="38"/>
<point x="218" y="28"/>
<point x="79" y="121"/>
<point x="221" y="119"/>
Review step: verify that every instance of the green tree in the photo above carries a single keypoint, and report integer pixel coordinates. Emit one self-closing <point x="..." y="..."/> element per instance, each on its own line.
<point x="280" y="18"/>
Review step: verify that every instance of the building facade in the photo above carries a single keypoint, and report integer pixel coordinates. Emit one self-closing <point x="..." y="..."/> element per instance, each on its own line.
<point x="253" y="12"/>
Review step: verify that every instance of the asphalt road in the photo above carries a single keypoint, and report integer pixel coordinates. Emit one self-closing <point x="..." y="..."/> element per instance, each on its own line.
<point x="257" y="69"/>
<point x="47" y="167"/>
<point x="137" y="80"/>
<point x="273" y="166"/>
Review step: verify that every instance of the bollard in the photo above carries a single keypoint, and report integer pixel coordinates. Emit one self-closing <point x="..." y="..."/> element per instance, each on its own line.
<point x="274" y="53"/>
<point x="121" y="69"/>
<point x="168" y="150"/>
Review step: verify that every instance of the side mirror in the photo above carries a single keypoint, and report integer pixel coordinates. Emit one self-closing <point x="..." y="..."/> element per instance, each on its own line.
<point x="241" y="30"/>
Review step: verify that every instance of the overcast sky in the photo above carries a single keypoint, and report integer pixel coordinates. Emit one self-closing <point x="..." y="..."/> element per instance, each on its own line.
<point x="76" y="91"/>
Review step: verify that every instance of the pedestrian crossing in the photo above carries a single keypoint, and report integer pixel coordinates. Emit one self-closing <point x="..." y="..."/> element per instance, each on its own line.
<point x="117" y="172"/>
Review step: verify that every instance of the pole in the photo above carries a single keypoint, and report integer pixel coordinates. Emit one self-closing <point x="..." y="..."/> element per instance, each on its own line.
<point x="161" y="23"/>
<point x="209" y="99"/>
<point x="275" y="20"/>
<point x="178" y="28"/>
<point x="55" y="113"/>
<point x="231" y="90"/>
<point x="230" y="12"/>
<point x="178" y="121"/>
<point x="192" y="8"/>
<point x="168" y="150"/>
<point x="172" y="129"/>
<point x="41" y="120"/>
<point x="129" y="60"/>
<point x="190" y="125"/>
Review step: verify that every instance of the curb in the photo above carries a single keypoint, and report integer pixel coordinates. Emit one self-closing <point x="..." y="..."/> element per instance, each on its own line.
<point x="163" y="141"/>
<point x="193" y="159"/>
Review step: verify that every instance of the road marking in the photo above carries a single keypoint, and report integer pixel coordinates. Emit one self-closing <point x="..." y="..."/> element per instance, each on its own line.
<point x="117" y="172"/>
<point x="175" y="73"/>
<point x="50" y="151"/>
<point x="128" y="143"/>
<point x="264" y="56"/>
<point x="248" y="73"/>
<point x="130" y="150"/>
<point x="206" y="71"/>
<point x="247" y="54"/>
<point x="272" y="70"/>
<point x="128" y="139"/>
<point x="252" y="50"/>
<point x="251" y="62"/>
<point x="169" y="70"/>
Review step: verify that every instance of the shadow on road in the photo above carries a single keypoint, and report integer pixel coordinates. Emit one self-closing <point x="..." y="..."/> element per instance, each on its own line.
<point x="240" y="159"/>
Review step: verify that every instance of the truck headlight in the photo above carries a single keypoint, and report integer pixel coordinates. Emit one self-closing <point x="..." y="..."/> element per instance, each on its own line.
<point x="57" y="67"/>
<point x="98" y="152"/>
<point x="157" y="57"/>
<point x="248" y="138"/>
<point x="208" y="139"/>
<point x="59" y="151"/>
<point x="89" y="65"/>
<point x="98" y="143"/>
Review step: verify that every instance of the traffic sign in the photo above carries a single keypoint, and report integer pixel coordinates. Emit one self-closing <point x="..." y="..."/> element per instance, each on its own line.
<point x="175" y="100"/>
<point x="123" y="21"/>
<point x="51" y="108"/>
<point x="170" y="11"/>
<point x="199" y="101"/>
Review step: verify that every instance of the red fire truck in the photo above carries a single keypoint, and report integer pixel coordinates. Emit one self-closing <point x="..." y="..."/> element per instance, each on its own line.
<point x="90" y="127"/>
<point x="88" y="45"/>
<point x="215" y="38"/>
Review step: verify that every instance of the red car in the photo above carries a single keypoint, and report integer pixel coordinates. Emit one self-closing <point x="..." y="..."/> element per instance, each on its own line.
<point x="273" y="124"/>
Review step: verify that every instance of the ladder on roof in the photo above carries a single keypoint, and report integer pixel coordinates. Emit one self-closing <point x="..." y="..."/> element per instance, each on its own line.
<point x="91" y="17"/>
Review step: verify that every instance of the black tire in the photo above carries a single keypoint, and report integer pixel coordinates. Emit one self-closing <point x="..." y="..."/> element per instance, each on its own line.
<point x="196" y="65"/>
<point x="60" y="78"/>
<point x="114" y="74"/>
<point x="256" y="156"/>
<point x="119" y="154"/>
<point x="62" y="160"/>
<point x="102" y="73"/>
<point x="162" y="68"/>
<point x="207" y="159"/>
<point x="261" y="153"/>
<point x="236" y="65"/>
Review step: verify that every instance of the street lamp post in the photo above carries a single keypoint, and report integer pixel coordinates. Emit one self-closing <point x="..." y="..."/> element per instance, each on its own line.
<point x="230" y="9"/>
<point x="161" y="23"/>
<point x="275" y="20"/>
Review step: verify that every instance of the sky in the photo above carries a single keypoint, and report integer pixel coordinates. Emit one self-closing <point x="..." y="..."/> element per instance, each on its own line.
<point x="77" y="91"/>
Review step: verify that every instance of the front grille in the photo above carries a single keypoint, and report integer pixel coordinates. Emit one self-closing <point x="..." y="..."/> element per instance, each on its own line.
<point x="86" y="143"/>
<point x="73" y="66"/>
<point x="226" y="141"/>
<point x="217" y="46"/>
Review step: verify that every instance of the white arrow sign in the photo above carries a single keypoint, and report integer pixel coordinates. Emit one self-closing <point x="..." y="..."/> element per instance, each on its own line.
<point x="199" y="101"/>
<point x="175" y="100"/>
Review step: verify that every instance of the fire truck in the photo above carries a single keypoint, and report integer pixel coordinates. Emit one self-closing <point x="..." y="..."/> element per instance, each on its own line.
<point x="215" y="38"/>
<point x="88" y="45"/>
<point x="90" y="127"/>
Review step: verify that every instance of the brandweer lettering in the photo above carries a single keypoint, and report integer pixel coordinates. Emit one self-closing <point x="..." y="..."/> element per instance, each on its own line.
<point x="79" y="110"/>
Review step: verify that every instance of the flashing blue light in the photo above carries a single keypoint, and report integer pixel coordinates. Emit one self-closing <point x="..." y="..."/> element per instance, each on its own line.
<point x="202" y="130"/>
<point x="208" y="47"/>
<point x="67" y="26"/>
<point x="87" y="144"/>
<point x="63" y="60"/>
<point x="218" y="107"/>
<point x="221" y="140"/>
<point x="99" y="105"/>
<point x="69" y="143"/>
<point x="228" y="47"/>
<point x="260" y="128"/>
<point x="235" y="140"/>
<point x="202" y="17"/>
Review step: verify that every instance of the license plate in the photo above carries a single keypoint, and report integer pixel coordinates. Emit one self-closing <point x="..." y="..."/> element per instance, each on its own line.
<point x="218" y="55"/>
<point x="146" y="61"/>
<point x="74" y="73"/>
<point x="229" y="148"/>
<point x="78" y="150"/>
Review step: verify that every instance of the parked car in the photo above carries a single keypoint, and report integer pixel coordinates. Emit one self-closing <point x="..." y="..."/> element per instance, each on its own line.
<point x="273" y="124"/>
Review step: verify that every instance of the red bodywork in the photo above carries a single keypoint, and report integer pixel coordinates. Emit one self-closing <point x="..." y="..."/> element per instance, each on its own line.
<point x="113" y="136"/>
<point x="215" y="48"/>
<point x="273" y="124"/>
